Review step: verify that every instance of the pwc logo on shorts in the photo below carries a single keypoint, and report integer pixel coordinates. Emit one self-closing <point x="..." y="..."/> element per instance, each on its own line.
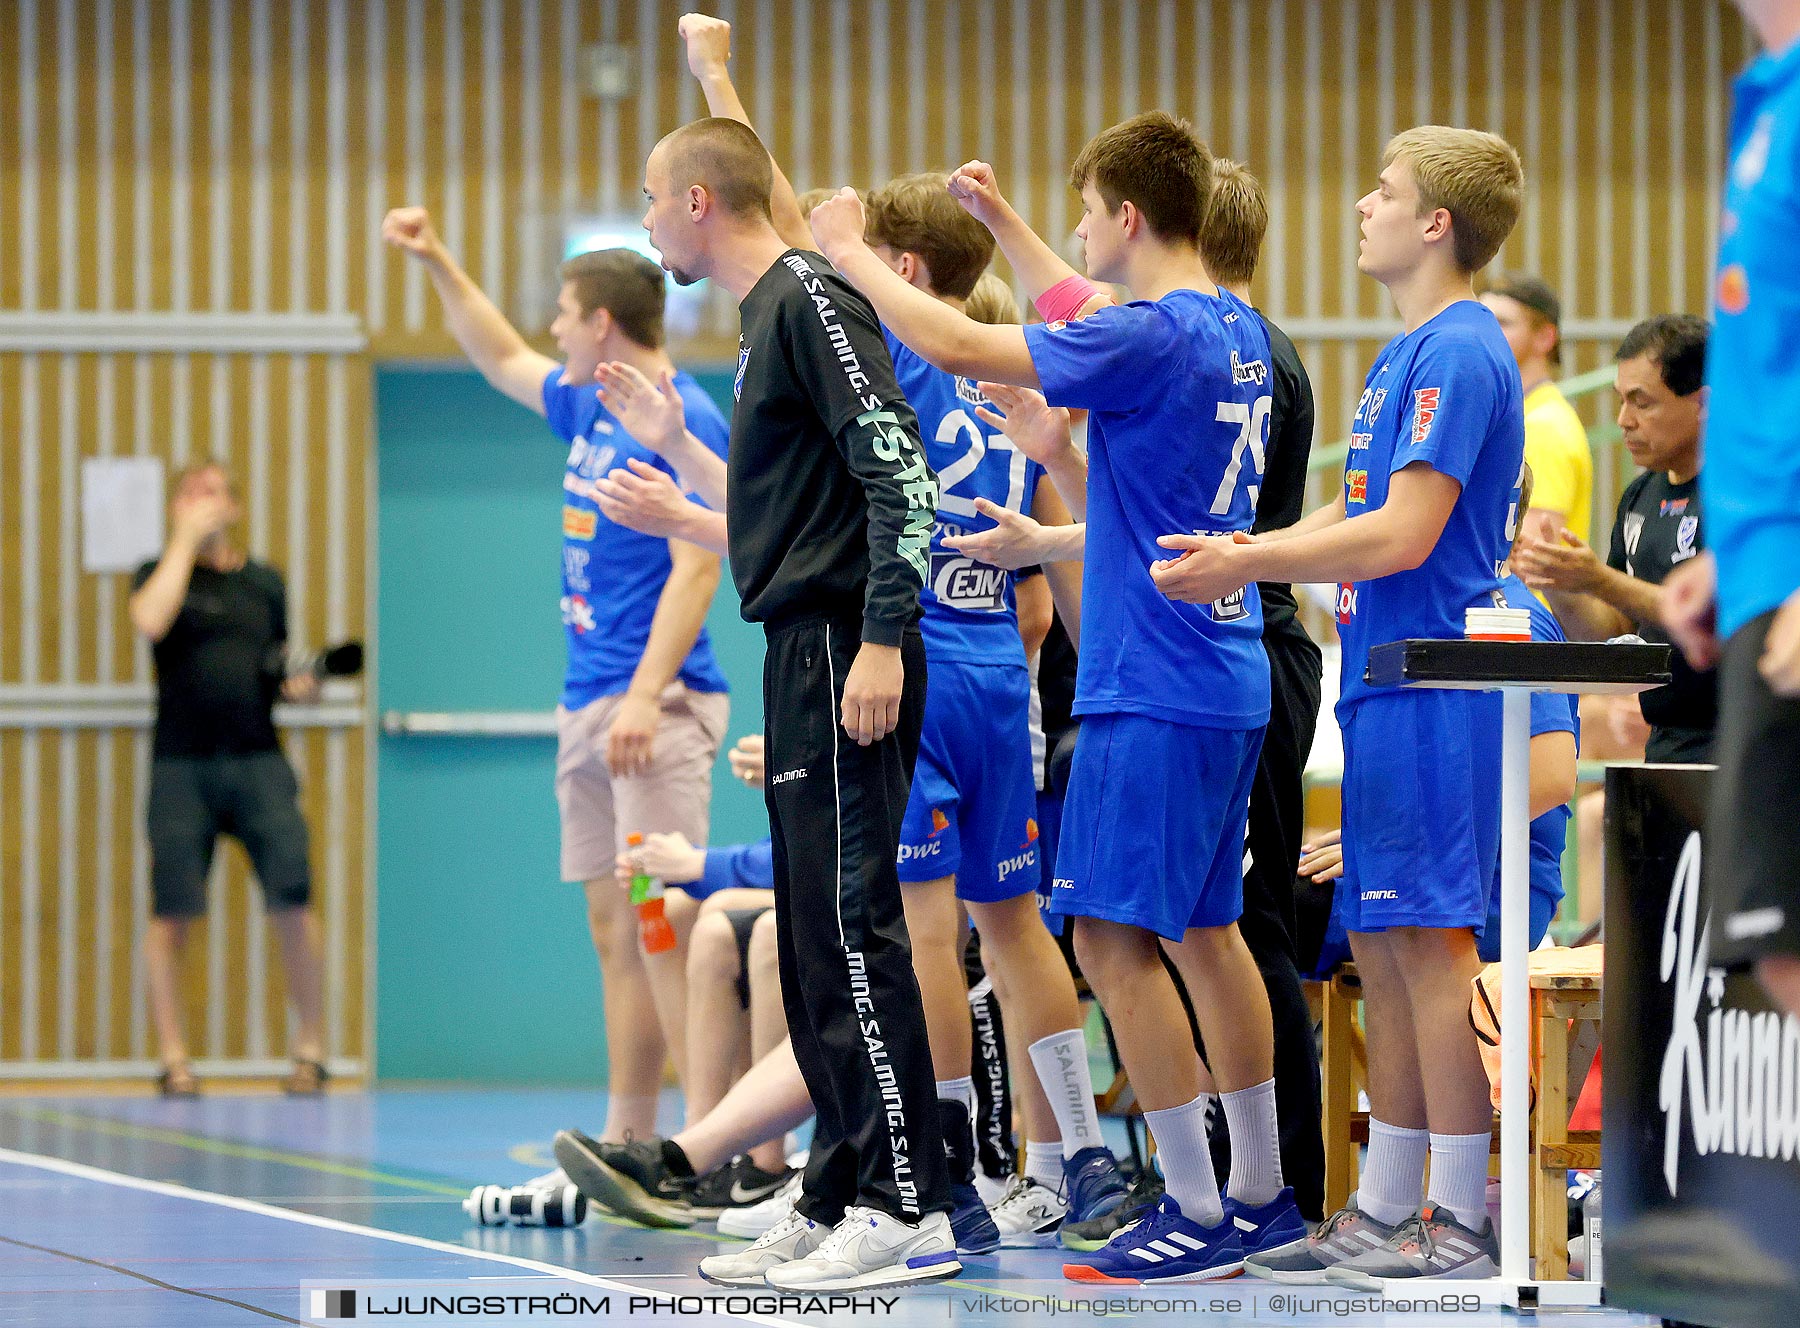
<point x="1346" y="602"/>
<point x="931" y="848"/>
<point x="939" y="823"/>
<point x="578" y="523"/>
<point x="1425" y="408"/>
<point x="1028" y="856"/>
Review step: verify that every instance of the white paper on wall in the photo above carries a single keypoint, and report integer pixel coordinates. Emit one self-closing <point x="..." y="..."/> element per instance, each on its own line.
<point x="121" y="512"/>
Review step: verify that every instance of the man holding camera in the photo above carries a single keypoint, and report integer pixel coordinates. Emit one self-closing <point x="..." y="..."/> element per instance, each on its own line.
<point x="217" y="624"/>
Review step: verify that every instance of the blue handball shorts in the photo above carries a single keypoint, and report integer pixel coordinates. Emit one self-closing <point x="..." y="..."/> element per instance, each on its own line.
<point x="1421" y="810"/>
<point x="1153" y="826"/>
<point x="972" y="811"/>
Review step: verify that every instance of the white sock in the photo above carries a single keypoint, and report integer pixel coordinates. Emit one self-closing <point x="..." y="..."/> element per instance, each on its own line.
<point x="1393" y="1178"/>
<point x="1255" y="1144"/>
<point x="959" y="1090"/>
<point x="1043" y="1163"/>
<point x="1187" y="1161"/>
<point x="1062" y="1067"/>
<point x="1459" y="1172"/>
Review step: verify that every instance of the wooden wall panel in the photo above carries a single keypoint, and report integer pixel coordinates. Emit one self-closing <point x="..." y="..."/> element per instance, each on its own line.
<point x="162" y="158"/>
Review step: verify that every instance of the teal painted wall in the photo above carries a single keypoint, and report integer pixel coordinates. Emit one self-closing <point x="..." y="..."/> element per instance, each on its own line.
<point x="484" y="971"/>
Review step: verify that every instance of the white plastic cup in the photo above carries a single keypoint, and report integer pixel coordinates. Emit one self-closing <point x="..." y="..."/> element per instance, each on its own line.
<point x="1483" y="624"/>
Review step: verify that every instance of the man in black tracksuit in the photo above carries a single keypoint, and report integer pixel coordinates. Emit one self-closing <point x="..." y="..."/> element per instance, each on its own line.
<point x="828" y="554"/>
<point x="829" y="504"/>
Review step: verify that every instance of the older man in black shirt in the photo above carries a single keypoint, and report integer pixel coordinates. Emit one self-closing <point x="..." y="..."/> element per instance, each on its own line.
<point x="1662" y="364"/>
<point x="217" y="622"/>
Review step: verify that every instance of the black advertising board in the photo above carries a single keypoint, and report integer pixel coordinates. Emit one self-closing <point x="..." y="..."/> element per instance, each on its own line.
<point x="1701" y="1193"/>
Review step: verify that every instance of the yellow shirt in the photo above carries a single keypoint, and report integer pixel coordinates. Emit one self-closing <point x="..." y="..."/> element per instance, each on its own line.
<point x="1562" y="466"/>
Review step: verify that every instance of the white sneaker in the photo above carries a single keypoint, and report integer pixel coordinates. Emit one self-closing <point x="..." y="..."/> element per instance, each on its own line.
<point x="992" y="1189"/>
<point x="870" y="1248"/>
<point x="756" y="1219"/>
<point x="782" y="1243"/>
<point x="1028" y="1214"/>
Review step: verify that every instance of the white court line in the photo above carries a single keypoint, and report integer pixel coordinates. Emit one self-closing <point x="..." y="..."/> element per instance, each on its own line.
<point x="81" y="1171"/>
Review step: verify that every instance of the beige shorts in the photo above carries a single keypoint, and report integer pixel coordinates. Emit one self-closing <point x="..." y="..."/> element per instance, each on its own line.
<point x="599" y="808"/>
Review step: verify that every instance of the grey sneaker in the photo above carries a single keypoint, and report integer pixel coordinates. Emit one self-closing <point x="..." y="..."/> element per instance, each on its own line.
<point x="1430" y="1244"/>
<point x="1347" y="1233"/>
<point x="788" y="1240"/>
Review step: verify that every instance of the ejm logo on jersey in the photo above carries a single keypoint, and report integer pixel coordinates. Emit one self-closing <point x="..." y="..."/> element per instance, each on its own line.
<point x="1346" y="602"/>
<point x="1356" y="486"/>
<point x="1425" y="407"/>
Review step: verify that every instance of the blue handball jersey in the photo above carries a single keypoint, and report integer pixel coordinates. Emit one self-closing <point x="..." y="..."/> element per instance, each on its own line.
<point x="971" y="610"/>
<point x="1446" y="394"/>
<point x="612" y="577"/>
<point x="1751" y="484"/>
<point x="1178" y="391"/>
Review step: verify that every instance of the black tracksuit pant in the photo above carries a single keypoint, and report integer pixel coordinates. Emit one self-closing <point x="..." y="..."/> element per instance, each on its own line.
<point x="1277" y="816"/>
<point x="847" y="983"/>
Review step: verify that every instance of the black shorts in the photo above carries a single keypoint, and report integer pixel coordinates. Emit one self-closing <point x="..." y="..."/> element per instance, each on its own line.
<point x="743" y="924"/>
<point x="1670" y="745"/>
<point x="1753" y="826"/>
<point x="195" y="799"/>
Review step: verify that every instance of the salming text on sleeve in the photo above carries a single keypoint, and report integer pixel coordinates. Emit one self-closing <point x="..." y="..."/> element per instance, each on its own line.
<point x="831" y="498"/>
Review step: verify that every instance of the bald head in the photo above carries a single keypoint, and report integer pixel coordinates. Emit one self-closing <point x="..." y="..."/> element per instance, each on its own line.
<point x="725" y="158"/>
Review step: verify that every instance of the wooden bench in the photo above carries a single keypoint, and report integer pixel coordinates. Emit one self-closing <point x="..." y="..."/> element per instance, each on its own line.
<point x="1564" y="1055"/>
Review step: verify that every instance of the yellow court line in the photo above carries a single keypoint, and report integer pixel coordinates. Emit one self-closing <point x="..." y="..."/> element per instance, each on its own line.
<point x="245" y="1152"/>
<point x="250" y="1153"/>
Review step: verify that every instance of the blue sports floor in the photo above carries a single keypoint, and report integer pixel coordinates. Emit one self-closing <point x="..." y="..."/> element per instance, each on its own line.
<point x="134" y="1212"/>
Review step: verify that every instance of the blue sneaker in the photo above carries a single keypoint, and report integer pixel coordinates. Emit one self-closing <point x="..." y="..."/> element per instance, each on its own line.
<point x="971" y="1223"/>
<point x="1163" y="1246"/>
<point x="1092" y="1184"/>
<point x="1269" y="1225"/>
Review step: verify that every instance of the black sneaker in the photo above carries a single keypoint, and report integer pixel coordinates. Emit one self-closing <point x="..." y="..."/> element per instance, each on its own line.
<point x="637" y="1179"/>
<point x="1145" y="1193"/>
<point x="738" y="1184"/>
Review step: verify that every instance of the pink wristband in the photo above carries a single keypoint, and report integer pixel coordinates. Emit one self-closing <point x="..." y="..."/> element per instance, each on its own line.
<point x="1064" y="300"/>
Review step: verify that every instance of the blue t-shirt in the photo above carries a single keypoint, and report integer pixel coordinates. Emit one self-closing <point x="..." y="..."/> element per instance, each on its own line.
<point x="611" y="576"/>
<point x="1551" y="712"/>
<point x="1446" y="394"/>
<point x="971" y="610"/>
<point x="1179" y="395"/>
<point x="1751" y="483"/>
<point x="735" y="867"/>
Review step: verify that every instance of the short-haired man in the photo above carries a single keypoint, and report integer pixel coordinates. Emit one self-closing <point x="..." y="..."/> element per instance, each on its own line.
<point x="1174" y="697"/>
<point x="1414" y="539"/>
<point x="217" y="624"/>
<point x="829" y="504"/>
<point x="1662" y="404"/>
<point x="1237" y="219"/>
<point x="644" y="704"/>
<point x="1556" y="445"/>
<point x="1745" y="613"/>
